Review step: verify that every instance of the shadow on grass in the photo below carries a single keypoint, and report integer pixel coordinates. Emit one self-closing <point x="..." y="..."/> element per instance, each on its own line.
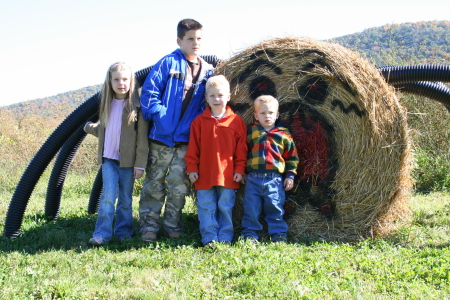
<point x="72" y="233"/>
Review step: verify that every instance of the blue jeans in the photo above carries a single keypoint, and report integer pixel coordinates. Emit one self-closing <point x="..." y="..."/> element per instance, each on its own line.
<point x="264" y="191"/>
<point x="117" y="183"/>
<point x="215" y="213"/>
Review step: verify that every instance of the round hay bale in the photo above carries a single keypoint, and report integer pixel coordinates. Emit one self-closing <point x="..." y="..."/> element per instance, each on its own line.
<point x="351" y="133"/>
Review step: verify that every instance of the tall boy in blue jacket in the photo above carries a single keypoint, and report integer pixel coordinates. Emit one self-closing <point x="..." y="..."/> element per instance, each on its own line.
<point x="172" y="96"/>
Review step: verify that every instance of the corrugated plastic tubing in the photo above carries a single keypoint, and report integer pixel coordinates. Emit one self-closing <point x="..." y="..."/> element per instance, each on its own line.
<point x="433" y="90"/>
<point x="96" y="191"/>
<point x="48" y="150"/>
<point x="59" y="172"/>
<point x="60" y="169"/>
<point x="40" y="161"/>
<point x="413" y="73"/>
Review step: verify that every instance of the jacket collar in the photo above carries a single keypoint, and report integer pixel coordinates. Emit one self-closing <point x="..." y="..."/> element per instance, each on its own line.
<point x="207" y="112"/>
<point x="278" y="126"/>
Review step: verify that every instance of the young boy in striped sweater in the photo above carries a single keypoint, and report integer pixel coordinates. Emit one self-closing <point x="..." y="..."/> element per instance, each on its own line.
<point x="272" y="153"/>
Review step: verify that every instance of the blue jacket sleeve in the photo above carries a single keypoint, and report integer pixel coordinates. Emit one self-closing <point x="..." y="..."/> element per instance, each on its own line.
<point x="153" y="89"/>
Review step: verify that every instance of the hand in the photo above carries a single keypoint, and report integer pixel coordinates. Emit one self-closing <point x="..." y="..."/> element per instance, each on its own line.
<point x="288" y="184"/>
<point x="237" y="177"/>
<point x="85" y="125"/>
<point x="193" y="176"/>
<point x="138" y="173"/>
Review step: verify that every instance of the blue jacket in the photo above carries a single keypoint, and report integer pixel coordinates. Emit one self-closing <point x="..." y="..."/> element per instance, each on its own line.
<point x="162" y="94"/>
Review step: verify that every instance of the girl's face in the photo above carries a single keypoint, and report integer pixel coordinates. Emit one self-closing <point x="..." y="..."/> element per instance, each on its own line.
<point x="120" y="83"/>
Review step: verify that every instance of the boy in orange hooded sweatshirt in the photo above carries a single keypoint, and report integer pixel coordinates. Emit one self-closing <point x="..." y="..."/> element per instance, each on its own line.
<point x="216" y="158"/>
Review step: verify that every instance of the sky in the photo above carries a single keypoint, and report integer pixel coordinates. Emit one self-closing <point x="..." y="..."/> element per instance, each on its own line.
<point x="54" y="46"/>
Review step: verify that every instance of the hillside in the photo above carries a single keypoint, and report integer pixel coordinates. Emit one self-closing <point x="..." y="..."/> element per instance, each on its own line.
<point x="59" y="105"/>
<point x="407" y="43"/>
<point x="396" y="44"/>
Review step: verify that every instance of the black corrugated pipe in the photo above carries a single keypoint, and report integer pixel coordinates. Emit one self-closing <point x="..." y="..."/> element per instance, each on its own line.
<point x="60" y="169"/>
<point x="433" y="90"/>
<point x="141" y="75"/>
<point x="59" y="172"/>
<point x="414" y="73"/>
<point x="41" y="160"/>
<point x="96" y="191"/>
<point x="211" y="59"/>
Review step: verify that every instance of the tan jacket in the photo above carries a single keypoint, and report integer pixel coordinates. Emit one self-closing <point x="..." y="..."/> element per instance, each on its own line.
<point x="133" y="143"/>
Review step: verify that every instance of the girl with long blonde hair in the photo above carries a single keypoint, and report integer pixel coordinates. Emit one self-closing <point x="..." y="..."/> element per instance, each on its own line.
<point x="122" y="152"/>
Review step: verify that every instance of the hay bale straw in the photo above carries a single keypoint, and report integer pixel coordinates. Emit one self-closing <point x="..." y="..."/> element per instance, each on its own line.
<point x="351" y="133"/>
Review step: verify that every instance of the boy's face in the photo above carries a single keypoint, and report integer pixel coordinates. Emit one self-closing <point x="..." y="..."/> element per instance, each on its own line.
<point x="190" y="43"/>
<point x="266" y="114"/>
<point x="217" y="98"/>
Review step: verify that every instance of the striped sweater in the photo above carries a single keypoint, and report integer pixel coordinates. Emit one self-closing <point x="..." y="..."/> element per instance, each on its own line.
<point x="271" y="151"/>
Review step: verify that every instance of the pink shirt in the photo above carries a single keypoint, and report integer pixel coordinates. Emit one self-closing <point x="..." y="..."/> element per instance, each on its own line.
<point x="113" y="130"/>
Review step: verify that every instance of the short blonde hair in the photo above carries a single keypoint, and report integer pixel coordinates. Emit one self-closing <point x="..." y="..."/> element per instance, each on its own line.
<point x="218" y="81"/>
<point x="266" y="99"/>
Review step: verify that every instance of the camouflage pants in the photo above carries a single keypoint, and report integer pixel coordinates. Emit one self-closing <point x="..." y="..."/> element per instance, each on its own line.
<point x="165" y="182"/>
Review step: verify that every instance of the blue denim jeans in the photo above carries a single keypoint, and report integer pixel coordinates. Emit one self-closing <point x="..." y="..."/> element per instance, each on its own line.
<point x="215" y="213"/>
<point x="117" y="183"/>
<point x="264" y="191"/>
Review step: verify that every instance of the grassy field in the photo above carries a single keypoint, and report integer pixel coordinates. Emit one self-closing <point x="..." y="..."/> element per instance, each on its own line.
<point x="52" y="260"/>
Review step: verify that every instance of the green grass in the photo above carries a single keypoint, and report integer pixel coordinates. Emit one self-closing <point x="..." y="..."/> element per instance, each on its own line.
<point x="431" y="171"/>
<point x="52" y="260"/>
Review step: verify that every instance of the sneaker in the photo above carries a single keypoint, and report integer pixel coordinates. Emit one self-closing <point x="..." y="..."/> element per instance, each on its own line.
<point x="250" y="239"/>
<point x="210" y="244"/>
<point x="96" y="241"/>
<point x="279" y="239"/>
<point x="149" y="236"/>
<point x="173" y="235"/>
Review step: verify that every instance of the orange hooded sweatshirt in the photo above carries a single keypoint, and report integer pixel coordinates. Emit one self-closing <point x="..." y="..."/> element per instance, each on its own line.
<point x="217" y="149"/>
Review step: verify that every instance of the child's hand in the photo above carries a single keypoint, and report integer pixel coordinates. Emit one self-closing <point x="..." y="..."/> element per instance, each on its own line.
<point x="138" y="173"/>
<point x="237" y="177"/>
<point x="193" y="176"/>
<point x="288" y="184"/>
<point x="85" y="125"/>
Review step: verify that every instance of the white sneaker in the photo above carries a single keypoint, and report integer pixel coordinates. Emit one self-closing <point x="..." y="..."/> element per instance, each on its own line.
<point x="96" y="241"/>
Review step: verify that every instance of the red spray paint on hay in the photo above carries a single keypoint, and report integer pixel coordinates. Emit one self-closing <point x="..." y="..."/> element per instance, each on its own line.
<point x="312" y="147"/>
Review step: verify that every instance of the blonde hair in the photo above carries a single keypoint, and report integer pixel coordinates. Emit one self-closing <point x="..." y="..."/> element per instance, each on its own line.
<point x="218" y="81"/>
<point x="107" y="94"/>
<point x="266" y="99"/>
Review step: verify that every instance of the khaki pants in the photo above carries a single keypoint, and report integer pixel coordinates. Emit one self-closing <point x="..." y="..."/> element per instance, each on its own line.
<point x="166" y="182"/>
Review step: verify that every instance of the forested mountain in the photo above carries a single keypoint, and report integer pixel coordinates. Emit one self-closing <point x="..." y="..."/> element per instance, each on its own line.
<point x="59" y="105"/>
<point x="396" y="44"/>
<point x="407" y="43"/>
